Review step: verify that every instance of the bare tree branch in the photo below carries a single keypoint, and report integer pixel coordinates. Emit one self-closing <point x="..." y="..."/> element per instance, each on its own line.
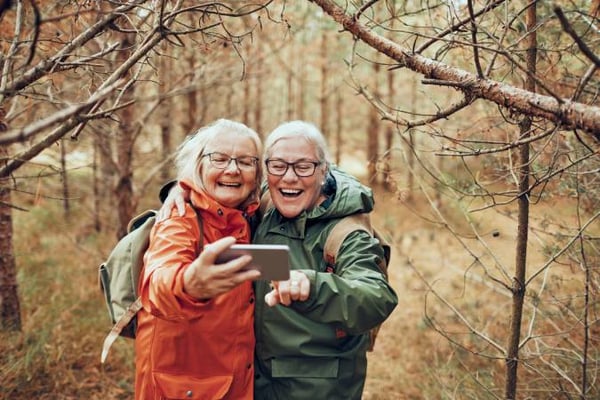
<point x="32" y="129"/>
<point x="569" y="114"/>
<point x="580" y="43"/>
<point x="44" y="66"/>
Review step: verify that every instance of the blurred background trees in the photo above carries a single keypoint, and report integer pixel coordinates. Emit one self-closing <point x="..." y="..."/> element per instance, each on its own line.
<point x="475" y="108"/>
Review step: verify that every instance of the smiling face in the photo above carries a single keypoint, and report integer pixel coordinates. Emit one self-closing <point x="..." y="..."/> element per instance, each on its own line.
<point x="292" y="194"/>
<point x="230" y="186"/>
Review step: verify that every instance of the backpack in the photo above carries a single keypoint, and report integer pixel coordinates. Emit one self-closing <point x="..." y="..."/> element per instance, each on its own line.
<point x="119" y="276"/>
<point x="337" y="235"/>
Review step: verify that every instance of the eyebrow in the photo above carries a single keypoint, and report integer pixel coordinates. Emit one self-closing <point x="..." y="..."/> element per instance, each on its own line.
<point x="296" y="161"/>
<point x="228" y="154"/>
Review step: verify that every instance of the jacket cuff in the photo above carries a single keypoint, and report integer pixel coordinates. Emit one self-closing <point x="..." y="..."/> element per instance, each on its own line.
<point x="187" y="299"/>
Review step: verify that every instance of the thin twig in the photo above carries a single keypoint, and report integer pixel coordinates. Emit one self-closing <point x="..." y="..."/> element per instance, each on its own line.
<point x="580" y="43"/>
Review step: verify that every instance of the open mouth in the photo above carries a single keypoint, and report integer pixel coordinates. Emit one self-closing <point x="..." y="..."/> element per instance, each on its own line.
<point x="290" y="193"/>
<point x="230" y="184"/>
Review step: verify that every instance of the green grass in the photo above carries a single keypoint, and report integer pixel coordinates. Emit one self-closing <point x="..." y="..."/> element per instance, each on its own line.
<point x="64" y="319"/>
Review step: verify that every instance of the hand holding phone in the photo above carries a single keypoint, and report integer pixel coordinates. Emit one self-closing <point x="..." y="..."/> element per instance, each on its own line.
<point x="272" y="260"/>
<point x="205" y="278"/>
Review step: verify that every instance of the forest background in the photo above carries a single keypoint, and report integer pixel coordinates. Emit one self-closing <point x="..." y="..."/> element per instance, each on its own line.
<point x="474" y="121"/>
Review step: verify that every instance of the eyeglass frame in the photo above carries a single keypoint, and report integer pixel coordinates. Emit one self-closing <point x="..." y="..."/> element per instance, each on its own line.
<point x="293" y="165"/>
<point x="235" y="159"/>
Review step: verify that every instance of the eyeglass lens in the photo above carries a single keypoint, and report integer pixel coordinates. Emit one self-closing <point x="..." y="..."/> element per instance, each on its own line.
<point x="222" y="161"/>
<point x="302" y="169"/>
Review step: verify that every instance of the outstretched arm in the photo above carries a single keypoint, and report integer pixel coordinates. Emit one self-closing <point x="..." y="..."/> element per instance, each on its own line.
<point x="177" y="281"/>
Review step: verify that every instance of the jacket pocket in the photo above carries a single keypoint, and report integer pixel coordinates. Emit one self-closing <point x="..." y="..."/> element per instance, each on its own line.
<point x="303" y="367"/>
<point x="190" y="387"/>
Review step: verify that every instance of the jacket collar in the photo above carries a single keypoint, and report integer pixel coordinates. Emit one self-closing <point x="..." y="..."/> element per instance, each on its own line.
<point x="228" y="221"/>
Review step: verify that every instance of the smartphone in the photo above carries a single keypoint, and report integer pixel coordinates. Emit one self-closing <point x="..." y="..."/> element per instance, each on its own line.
<point x="272" y="260"/>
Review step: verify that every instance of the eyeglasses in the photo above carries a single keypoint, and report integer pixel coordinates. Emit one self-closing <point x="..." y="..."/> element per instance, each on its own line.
<point x="302" y="169"/>
<point x="222" y="161"/>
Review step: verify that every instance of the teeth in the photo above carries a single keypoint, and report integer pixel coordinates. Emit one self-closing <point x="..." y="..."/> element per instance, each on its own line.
<point x="290" y="192"/>
<point x="229" y="184"/>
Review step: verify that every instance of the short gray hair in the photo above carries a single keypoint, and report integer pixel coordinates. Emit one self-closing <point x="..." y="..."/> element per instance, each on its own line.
<point x="189" y="153"/>
<point x="303" y="129"/>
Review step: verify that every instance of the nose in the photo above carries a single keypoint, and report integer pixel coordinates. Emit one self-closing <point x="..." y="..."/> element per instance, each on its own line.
<point x="232" y="166"/>
<point x="290" y="174"/>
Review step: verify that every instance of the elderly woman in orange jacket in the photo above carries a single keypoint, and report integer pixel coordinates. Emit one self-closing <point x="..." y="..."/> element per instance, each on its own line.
<point x="195" y="337"/>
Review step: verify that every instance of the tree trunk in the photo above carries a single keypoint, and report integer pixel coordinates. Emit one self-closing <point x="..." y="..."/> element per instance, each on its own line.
<point x="518" y="288"/>
<point x="258" y="107"/>
<point x="339" y="127"/>
<point x="323" y="94"/>
<point x="389" y="140"/>
<point x="301" y="88"/>
<point x="125" y="142"/>
<point x="410" y="171"/>
<point x="64" y="177"/>
<point x="247" y="99"/>
<point x="165" y="138"/>
<point x="230" y="96"/>
<point x="96" y="183"/>
<point x="190" y="122"/>
<point x="165" y="112"/>
<point x="10" y="309"/>
<point x="290" y="95"/>
<point x="203" y="110"/>
<point x="373" y="132"/>
<point x="389" y="184"/>
<point x="595" y="8"/>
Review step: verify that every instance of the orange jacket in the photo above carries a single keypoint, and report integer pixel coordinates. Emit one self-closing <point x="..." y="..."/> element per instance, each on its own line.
<point x="185" y="348"/>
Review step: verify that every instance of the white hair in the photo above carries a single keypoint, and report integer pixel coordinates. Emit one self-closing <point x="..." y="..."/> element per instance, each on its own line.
<point x="295" y="129"/>
<point x="189" y="153"/>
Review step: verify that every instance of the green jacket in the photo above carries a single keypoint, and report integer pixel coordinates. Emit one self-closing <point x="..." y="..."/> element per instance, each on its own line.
<point x="316" y="349"/>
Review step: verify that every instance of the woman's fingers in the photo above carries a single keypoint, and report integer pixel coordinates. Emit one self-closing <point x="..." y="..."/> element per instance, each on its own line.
<point x="175" y="199"/>
<point x="180" y="204"/>
<point x="272" y="298"/>
<point x="285" y="297"/>
<point x="211" y="251"/>
<point x="204" y="278"/>
<point x="297" y="288"/>
<point x="304" y="291"/>
<point x="294" y="290"/>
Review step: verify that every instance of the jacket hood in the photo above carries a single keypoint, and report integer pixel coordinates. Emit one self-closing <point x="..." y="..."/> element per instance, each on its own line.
<point x="218" y="220"/>
<point x="349" y="197"/>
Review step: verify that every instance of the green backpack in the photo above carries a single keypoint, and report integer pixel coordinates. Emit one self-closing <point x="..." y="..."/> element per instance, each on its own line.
<point x="119" y="276"/>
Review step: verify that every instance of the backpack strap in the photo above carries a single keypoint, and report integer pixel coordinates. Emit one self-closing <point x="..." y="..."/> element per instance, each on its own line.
<point x="347" y="225"/>
<point x="136" y="306"/>
<point x="337" y="235"/>
<point x="115" y="332"/>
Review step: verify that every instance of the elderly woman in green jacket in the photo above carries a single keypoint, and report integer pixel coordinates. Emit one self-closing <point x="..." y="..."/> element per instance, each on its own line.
<point x="312" y="331"/>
